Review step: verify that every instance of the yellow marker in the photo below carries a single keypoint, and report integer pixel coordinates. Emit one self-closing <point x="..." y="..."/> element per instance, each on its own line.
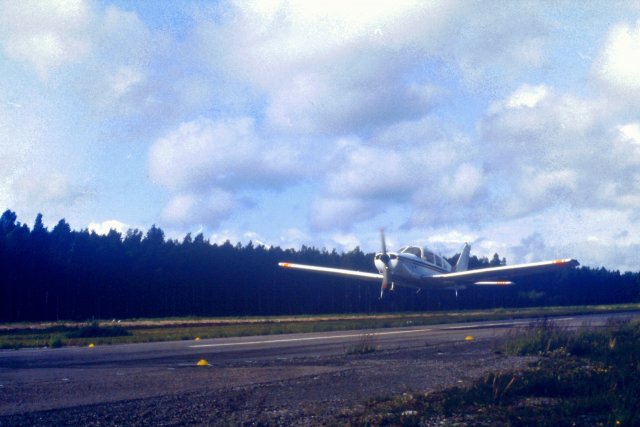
<point x="197" y="338"/>
<point x="203" y="362"/>
<point x="468" y="338"/>
<point x="91" y="345"/>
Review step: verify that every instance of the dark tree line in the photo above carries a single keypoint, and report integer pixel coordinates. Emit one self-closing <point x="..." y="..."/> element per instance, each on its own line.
<point x="66" y="274"/>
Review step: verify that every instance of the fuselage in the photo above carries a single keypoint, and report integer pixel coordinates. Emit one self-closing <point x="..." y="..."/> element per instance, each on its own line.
<point x="412" y="264"/>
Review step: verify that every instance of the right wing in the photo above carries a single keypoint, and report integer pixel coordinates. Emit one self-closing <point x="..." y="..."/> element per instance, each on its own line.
<point x="503" y="275"/>
<point x="334" y="271"/>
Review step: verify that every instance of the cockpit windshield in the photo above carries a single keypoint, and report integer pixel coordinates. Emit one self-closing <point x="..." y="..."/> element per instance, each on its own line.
<point x="413" y="250"/>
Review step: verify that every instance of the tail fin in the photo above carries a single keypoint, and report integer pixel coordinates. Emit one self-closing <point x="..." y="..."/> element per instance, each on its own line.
<point x="463" y="261"/>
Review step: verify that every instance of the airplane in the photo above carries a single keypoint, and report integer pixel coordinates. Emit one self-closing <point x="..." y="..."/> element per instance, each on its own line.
<point x="420" y="268"/>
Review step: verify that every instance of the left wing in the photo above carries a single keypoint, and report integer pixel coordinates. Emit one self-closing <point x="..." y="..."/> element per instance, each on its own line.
<point x="335" y="271"/>
<point x="503" y="275"/>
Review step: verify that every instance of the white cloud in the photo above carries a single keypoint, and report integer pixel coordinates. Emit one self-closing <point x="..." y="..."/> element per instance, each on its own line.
<point x="467" y="182"/>
<point x="338" y="69"/>
<point x="527" y="96"/>
<point x="340" y="213"/>
<point x="230" y="153"/>
<point x="293" y="238"/>
<point x="208" y="207"/>
<point x="32" y="179"/>
<point x="206" y="164"/>
<point x="105" y="227"/>
<point x="452" y="237"/>
<point x="618" y="64"/>
<point x="631" y="132"/>
<point x="223" y="236"/>
<point x="429" y="171"/>
<point x="558" y="149"/>
<point x="345" y="241"/>
<point x="124" y="80"/>
<point x="45" y="34"/>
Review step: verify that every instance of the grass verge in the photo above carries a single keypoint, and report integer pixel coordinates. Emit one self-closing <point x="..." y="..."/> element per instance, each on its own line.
<point x="45" y="334"/>
<point x="365" y="345"/>
<point x="582" y="378"/>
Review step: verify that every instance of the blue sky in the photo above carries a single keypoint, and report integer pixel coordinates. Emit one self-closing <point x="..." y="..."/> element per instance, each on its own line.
<point x="512" y="125"/>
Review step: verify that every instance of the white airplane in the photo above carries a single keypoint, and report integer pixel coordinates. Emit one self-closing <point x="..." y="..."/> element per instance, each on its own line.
<point x="420" y="268"/>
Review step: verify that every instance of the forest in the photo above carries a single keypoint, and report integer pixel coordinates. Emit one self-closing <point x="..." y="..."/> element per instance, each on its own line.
<point x="64" y="274"/>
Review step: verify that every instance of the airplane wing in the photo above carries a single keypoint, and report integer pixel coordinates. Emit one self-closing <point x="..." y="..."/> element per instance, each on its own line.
<point x="334" y="271"/>
<point x="496" y="276"/>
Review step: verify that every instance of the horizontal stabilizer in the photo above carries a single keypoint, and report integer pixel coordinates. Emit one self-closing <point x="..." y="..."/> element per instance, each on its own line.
<point x="496" y="283"/>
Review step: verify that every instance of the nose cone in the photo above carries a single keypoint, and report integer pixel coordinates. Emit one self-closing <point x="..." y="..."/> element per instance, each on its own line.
<point x="385" y="260"/>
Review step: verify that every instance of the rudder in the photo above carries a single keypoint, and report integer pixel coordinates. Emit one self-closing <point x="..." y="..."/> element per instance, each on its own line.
<point x="463" y="261"/>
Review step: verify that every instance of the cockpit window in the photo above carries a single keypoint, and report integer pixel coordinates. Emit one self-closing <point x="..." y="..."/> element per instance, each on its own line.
<point x="411" y="250"/>
<point x="430" y="257"/>
<point x="438" y="261"/>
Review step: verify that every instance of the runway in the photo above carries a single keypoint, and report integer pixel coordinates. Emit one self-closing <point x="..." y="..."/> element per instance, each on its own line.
<point x="33" y="380"/>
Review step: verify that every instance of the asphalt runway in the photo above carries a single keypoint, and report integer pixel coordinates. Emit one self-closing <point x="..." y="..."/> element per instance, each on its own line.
<point x="46" y="379"/>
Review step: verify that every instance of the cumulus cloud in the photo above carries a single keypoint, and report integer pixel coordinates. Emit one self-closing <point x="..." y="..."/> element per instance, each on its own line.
<point x="367" y="72"/>
<point x="205" y="163"/>
<point x="417" y="165"/>
<point x="105" y="56"/>
<point x="452" y="237"/>
<point x="105" y="227"/>
<point x="207" y="207"/>
<point x="618" y="65"/>
<point x="224" y="236"/>
<point x="543" y="148"/>
<point x="335" y="69"/>
<point x="341" y="213"/>
<point x="293" y="238"/>
<point x="45" y="35"/>
<point x="496" y="41"/>
<point x="32" y="179"/>
<point x="29" y="193"/>
<point x="227" y="152"/>
<point x="631" y="132"/>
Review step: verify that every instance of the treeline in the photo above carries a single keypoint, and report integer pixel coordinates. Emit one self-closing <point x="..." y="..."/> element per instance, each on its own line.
<point x="77" y="275"/>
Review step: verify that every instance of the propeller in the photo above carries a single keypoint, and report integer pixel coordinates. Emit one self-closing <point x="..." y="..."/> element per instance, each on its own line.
<point x="384" y="257"/>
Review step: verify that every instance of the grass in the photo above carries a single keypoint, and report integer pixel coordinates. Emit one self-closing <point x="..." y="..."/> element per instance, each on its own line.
<point x="46" y="334"/>
<point x="61" y="335"/>
<point x="365" y="345"/>
<point x="581" y="378"/>
<point x="95" y="330"/>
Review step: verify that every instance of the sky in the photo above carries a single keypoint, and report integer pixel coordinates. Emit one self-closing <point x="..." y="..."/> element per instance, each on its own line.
<point x="514" y="126"/>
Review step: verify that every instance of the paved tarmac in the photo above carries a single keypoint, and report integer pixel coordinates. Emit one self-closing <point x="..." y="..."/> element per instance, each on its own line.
<point x="44" y="379"/>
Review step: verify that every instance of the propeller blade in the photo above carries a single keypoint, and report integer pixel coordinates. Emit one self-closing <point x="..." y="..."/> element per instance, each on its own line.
<point x="384" y="257"/>
<point x="385" y="282"/>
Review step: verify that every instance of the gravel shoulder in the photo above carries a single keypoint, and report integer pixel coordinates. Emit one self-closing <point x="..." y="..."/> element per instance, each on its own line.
<point x="301" y="391"/>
